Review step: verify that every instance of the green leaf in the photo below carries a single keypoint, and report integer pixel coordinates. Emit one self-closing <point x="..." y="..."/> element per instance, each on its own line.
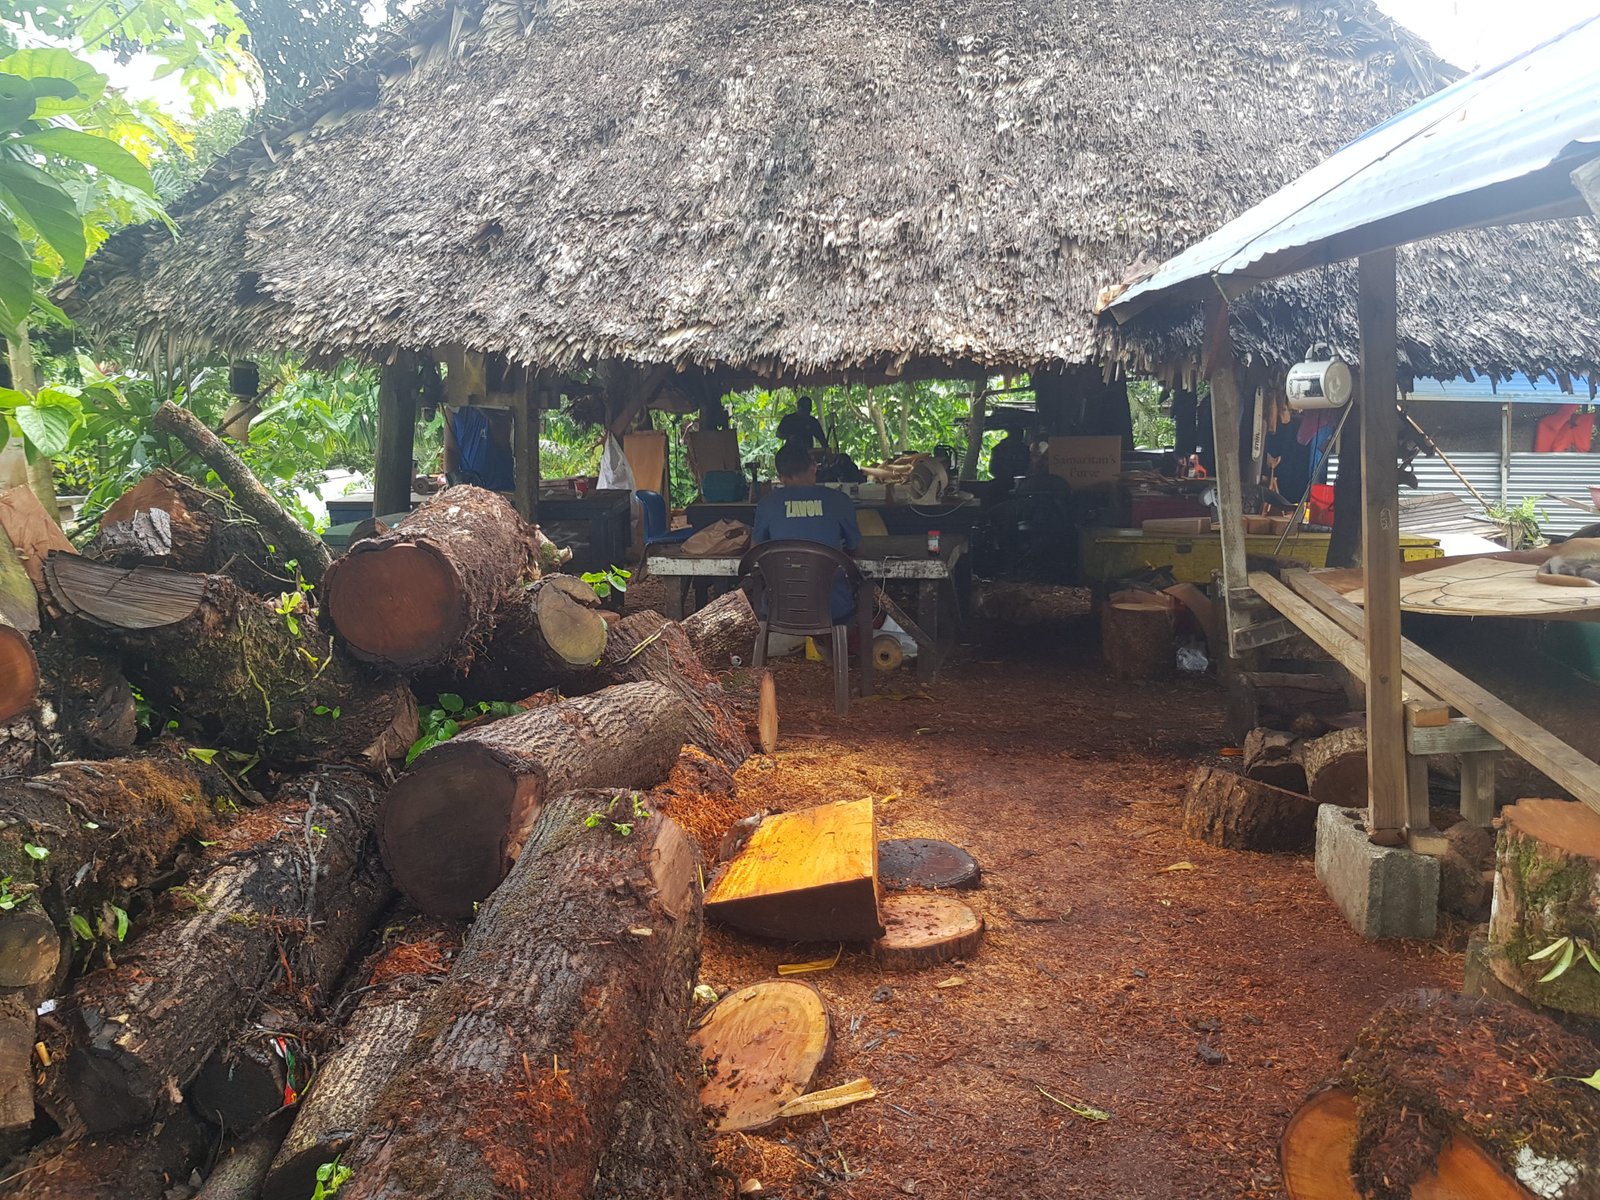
<point x="1560" y="968"/>
<point x="1552" y="949"/>
<point x="122" y="922"/>
<point x="48" y="207"/>
<point x="1593" y="1081"/>
<point x="204" y="756"/>
<point x="17" y="100"/>
<point x="62" y="82"/>
<point x="451" y="702"/>
<point x="16" y="276"/>
<point x="48" y="429"/>
<point x="80" y="927"/>
<point x="39" y="853"/>
<point x="90" y="149"/>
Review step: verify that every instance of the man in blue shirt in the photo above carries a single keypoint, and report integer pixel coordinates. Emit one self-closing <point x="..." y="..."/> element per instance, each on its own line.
<point x="799" y="508"/>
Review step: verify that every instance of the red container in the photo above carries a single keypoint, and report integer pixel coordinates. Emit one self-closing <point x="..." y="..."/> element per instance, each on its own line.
<point x="1321" y="504"/>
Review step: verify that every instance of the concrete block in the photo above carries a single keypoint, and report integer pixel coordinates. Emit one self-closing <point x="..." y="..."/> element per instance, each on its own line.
<point x="1382" y="892"/>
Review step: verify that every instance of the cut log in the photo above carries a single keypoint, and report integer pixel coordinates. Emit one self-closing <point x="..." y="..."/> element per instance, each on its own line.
<point x="142" y="1164"/>
<point x="1137" y="639"/>
<point x="767" y="713"/>
<point x="424" y="595"/>
<point x="244" y="1082"/>
<point x="239" y="1174"/>
<point x="886" y="653"/>
<point x="1273" y="758"/>
<point x="925" y="863"/>
<point x="1284" y="696"/>
<point x="1228" y="810"/>
<point x="582" y="958"/>
<point x="235" y="668"/>
<point x="280" y="526"/>
<point x="1032" y="604"/>
<point x="1547" y="887"/>
<point x="373" y="1046"/>
<point x="761" y="1047"/>
<point x="19" y="672"/>
<point x="923" y="931"/>
<point x="723" y="633"/>
<point x="456" y="821"/>
<point x="1336" y="768"/>
<point x="1466" y="872"/>
<point x="549" y="633"/>
<point x="90" y="699"/>
<point x="302" y="895"/>
<point x="1475" y="1090"/>
<point x="701" y="797"/>
<point x="806" y="876"/>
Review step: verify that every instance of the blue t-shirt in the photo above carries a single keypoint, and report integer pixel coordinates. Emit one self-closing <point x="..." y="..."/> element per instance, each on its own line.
<point x="813" y="514"/>
<point x="480" y="459"/>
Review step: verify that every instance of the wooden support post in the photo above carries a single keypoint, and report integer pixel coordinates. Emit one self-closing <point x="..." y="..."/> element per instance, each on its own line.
<point x="1417" y="791"/>
<point x="1223" y="372"/>
<point x="1387" y="806"/>
<point x="1477" y="787"/>
<point x="969" y="461"/>
<point x="397" y="423"/>
<point x="525" y="442"/>
<point x="1505" y="455"/>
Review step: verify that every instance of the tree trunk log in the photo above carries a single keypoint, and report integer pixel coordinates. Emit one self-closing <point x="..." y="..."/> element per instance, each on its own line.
<point x="1336" y="768"/>
<point x="90" y="699"/>
<point x="723" y="631"/>
<point x="582" y="960"/>
<point x="424" y="595"/>
<point x="19" y="672"/>
<point x="553" y="631"/>
<point x="373" y="1046"/>
<point x="1547" y="887"/>
<point x="1468" y="1088"/>
<point x="234" y="668"/>
<point x="281" y="528"/>
<point x="144" y="1029"/>
<point x="1284" y="696"/>
<point x="141" y="1164"/>
<point x="238" y="1176"/>
<point x="1137" y="640"/>
<point x="456" y="821"/>
<point x="1236" y="813"/>
<point x="1273" y="758"/>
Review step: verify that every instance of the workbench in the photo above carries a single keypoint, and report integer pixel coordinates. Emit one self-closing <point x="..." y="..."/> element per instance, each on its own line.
<point x="1106" y="554"/>
<point x="940" y="581"/>
<point x="955" y="517"/>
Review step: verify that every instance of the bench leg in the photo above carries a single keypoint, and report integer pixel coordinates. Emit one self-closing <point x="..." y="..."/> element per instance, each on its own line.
<point x="1477" y="787"/>
<point x="1417" y="792"/>
<point x="841" y="669"/>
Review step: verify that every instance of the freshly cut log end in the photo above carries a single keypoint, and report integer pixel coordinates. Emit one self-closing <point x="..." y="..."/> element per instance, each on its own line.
<point x="453" y="825"/>
<point x="1336" y="768"/>
<point x="1273" y="758"/>
<point x="30" y="946"/>
<point x="767" y="714"/>
<point x="1137" y="639"/>
<point x="405" y="606"/>
<point x="570" y="621"/>
<point x="1236" y="813"/>
<point x="122" y="598"/>
<point x="762" y="1046"/>
<point x="923" y="931"/>
<point x="925" y="863"/>
<point x="723" y="633"/>
<point x="552" y="633"/>
<point x="19" y="673"/>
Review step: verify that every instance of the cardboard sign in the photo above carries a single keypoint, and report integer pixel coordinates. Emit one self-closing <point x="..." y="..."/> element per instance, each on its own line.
<point x="1085" y="462"/>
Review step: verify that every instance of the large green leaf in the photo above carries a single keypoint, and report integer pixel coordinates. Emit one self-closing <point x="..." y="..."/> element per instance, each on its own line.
<point x="48" y="429"/>
<point x="49" y="68"/>
<point x="101" y="153"/>
<point x="16" y="278"/>
<point x="48" y="207"/>
<point x="17" y="101"/>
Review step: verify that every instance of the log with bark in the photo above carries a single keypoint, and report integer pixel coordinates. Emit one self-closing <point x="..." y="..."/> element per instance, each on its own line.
<point x="1547" y="888"/>
<point x="1236" y="813"/>
<point x="91" y="711"/>
<point x="278" y="524"/>
<point x="302" y="895"/>
<point x="424" y="596"/>
<point x="723" y="631"/>
<point x="19" y="673"/>
<point x="374" y="1044"/>
<point x="1273" y="757"/>
<point x="455" y="822"/>
<point x="1336" y="768"/>
<point x="551" y="632"/>
<point x="575" y="974"/>
<point x="239" y="1174"/>
<point x="237" y="669"/>
<point x="140" y="1164"/>
<point x="1444" y="1097"/>
<point x="1137" y="639"/>
<point x="166" y="520"/>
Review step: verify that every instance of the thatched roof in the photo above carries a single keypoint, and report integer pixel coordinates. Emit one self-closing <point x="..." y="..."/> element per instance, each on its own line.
<point x="783" y="187"/>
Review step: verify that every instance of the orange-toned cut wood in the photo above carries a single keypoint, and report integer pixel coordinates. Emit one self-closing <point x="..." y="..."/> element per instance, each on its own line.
<point x="767" y="714"/>
<point x="924" y="930"/>
<point x="762" y="1047"/>
<point x="1315" y="1155"/>
<point x="806" y="876"/>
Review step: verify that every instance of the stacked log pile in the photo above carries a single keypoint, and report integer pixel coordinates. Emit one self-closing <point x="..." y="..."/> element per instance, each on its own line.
<point x="192" y="893"/>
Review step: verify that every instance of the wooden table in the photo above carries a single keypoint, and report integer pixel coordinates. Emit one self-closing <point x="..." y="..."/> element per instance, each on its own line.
<point x="880" y="558"/>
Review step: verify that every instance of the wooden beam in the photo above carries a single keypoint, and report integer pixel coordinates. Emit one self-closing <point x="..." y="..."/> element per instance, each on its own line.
<point x="1225" y="410"/>
<point x="398" y="382"/>
<point x="1477" y="788"/>
<point x="1460" y="736"/>
<point x="1380" y="543"/>
<point x="525" y="442"/>
<point x="975" y="416"/>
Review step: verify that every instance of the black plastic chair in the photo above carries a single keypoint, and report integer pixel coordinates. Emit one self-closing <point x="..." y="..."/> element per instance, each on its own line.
<point x="795" y="579"/>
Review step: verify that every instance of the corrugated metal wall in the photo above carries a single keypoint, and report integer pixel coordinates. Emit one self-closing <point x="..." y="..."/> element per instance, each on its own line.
<point x="1531" y="475"/>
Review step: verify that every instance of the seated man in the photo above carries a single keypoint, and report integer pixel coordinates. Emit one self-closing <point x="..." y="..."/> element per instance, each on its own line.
<point x="799" y="508"/>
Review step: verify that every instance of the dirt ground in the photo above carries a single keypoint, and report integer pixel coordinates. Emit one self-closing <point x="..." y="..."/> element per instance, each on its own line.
<point x="1193" y="995"/>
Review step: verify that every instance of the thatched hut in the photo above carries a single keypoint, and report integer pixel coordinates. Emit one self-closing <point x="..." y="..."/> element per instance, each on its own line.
<point x="785" y="190"/>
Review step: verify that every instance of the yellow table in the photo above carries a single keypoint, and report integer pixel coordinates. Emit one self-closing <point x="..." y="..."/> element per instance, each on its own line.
<point x="1106" y="554"/>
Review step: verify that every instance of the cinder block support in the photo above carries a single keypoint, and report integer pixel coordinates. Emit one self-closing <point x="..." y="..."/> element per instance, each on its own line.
<point x="1382" y="892"/>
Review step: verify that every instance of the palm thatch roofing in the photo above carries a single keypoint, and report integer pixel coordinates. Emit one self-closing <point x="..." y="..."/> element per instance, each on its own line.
<point x="804" y="189"/>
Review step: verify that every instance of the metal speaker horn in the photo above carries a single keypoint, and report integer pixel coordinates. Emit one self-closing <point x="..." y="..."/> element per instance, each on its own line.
<point x="1321" y="384"/>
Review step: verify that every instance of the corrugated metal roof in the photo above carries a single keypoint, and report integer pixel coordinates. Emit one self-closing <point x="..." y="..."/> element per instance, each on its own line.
<point x="1493" y="148"/>
<point x="1535" y="475"/>
<point x="1519" y="389"/>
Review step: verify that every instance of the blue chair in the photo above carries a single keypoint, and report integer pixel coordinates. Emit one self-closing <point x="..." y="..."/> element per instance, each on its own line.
<point x="656" y="532"/>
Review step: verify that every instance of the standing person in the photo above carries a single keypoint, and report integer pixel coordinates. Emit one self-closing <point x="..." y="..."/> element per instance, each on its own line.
<point x="477" y="448"/>
<point x="800" y="426"/>
<point x="1009" y="459"/>
<point x="800" y="508"/>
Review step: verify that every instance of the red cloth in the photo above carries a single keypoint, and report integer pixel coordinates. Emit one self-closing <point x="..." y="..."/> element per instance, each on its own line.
<point x="1555" y="433"/>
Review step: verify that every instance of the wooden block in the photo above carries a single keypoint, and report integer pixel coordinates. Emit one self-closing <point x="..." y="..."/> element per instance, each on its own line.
<point x="1176" y="525"/>
<point x="806" y="876"/>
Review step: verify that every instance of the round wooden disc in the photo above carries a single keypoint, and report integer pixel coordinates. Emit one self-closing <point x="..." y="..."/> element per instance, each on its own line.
<point x="767" y="714"/>
<point x="925" y="863"/>
<point x="1315" y="1156"/>
<point x="924" y="930"/>
<point x="762" y="1046"/>
<point x="886" y="652"/>
<point x="19" y="673"/>
<point x="400" y="604"/>
<point x="571" y="624"/>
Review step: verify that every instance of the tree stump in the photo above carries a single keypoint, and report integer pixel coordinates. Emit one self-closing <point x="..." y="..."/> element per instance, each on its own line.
<point x="925" y="930"/>
<point x="1448" y="1097"/>
<point x="1273" y="758"/>
<point x="723" y="631"/>
<point x="761" y="1047"/>
<point x="1336" y="768"/>
<point x="1547" y="887"/>
<point x="577" y="971"/>
<point x="455" y="822"/>
<point x="1228" y="810"/>
<point x="423" y="596"/>
<point x="1137" y="639"/>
